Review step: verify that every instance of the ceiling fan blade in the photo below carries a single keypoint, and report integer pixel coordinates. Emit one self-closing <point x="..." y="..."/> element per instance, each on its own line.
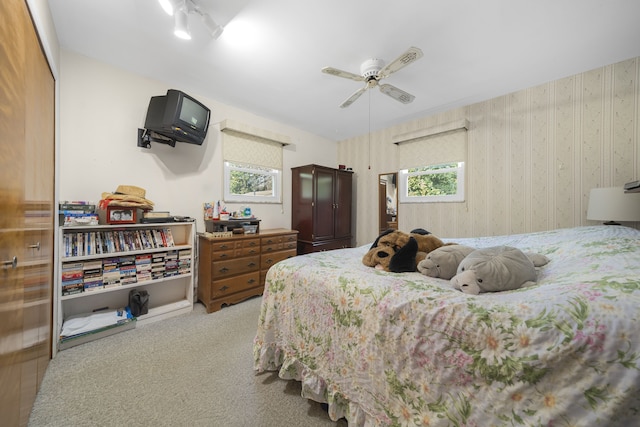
<point x="344" y="74"/>
<point x="397" y="94"/>
<point x="411" y="55"/>
<point x="353" y="97"/>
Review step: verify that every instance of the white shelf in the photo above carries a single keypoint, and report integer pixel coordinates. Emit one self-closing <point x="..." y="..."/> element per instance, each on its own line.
<point x="166" y="311"/>
<point x="117" y="254"/>
<point x="168" y="296"/>
<point x="120" y="288"/>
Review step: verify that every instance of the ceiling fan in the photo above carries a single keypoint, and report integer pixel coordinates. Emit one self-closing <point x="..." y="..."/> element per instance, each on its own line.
<point x="374" y="70"/>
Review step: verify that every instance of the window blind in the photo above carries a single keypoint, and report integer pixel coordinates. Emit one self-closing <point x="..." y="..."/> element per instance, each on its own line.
<point x="247" y="145"/>
<point x="442" y="148"/>
<point x="432" y="146"/>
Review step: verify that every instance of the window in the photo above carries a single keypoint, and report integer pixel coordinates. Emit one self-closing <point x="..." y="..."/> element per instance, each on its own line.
<point x="249" y="183"/>
<point x="434" y="183"/>
<point x="432" y="163"/>
<point x="252" y="163"/>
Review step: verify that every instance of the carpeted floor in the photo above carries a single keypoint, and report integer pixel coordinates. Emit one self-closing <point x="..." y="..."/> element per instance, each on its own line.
<point x="191" y="370"/>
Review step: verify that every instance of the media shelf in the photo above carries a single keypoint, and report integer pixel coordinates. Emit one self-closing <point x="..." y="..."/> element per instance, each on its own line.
<point x="96" y="273"/>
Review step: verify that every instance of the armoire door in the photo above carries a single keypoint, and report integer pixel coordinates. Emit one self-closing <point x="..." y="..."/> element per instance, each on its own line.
<point x="27" y="132"/>
<point x="342" y="197"/>
<point x="324" y="209"/>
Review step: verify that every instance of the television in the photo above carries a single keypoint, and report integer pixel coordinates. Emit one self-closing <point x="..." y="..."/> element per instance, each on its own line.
<point x="177" y="116"/>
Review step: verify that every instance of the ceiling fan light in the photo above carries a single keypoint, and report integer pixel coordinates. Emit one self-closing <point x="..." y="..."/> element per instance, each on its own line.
<point x="181" y="25"/>
<point x="168" y="6"/>
<point x="214" y="29"/>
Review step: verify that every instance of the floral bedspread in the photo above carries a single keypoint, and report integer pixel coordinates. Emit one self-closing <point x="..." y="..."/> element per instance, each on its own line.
<point x="403" y="349"/>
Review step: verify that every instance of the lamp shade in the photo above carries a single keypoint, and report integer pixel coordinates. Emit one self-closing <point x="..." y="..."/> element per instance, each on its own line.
<point x="613" y="204"/>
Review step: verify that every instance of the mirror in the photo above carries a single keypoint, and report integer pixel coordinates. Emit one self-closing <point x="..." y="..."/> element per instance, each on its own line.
<point x="387" y="201"/>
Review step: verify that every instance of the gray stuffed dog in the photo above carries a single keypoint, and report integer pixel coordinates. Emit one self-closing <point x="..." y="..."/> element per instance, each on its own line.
<point x="443" y="262"/>
<point x="499" y="268"/>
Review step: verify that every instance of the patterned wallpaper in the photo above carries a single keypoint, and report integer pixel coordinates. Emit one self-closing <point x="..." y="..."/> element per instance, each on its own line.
<point x="533" y="156"/>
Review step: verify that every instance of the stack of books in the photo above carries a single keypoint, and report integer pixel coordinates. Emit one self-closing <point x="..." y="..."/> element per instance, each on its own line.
<point x="184" y="261"/>
<point x="127" y="267"/>
<point x="77" y="213"/>
<point x="72" y="274"/>
<point x="111" y="272"/>
<point x="171" y="264"/>
<point x="92" y="275"/>
<point x="157" y="265"/>
<point x="143" y="267"/>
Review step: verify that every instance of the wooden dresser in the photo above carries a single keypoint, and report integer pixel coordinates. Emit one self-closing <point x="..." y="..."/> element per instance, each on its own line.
<point x="232" y="269"/>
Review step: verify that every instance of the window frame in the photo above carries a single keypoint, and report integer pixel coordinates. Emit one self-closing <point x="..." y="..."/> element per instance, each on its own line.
<point x="276" y="174"/>
<point x="403" y="184"/>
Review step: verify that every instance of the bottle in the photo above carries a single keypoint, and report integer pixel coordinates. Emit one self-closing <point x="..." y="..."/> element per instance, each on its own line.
<point x="247" y="212"/>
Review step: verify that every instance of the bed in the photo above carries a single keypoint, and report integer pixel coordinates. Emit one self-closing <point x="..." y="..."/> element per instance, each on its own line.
<point x="404" y="349"/>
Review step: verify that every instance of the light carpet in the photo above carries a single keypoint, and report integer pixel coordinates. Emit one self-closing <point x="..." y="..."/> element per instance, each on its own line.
<point x="190" y="370"/>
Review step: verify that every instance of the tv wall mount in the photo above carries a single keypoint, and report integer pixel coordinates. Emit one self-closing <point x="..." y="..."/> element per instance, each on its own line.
<point x="145" y="137"/>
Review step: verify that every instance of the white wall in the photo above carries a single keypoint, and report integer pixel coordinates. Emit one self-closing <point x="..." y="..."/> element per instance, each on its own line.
<point x="101" y="109"/>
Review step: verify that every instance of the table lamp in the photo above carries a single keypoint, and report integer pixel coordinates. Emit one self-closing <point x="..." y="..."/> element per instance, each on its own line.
<point x="612" y="204"/>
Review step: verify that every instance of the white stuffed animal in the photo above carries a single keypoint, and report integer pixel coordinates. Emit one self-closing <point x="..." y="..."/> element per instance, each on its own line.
<point x="443" y="262"/>
<point x="499" y="268"/>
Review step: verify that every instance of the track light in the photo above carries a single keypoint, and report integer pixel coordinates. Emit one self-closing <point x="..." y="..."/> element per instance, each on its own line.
<point x="168" y="6"/>
<point x="214" y="29"/>
<point x="181" y="24"/>
<point x="180" y="9"/>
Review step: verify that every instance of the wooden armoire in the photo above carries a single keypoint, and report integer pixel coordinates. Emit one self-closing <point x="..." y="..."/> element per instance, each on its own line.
<point x="321" y="206"/>
<point x="27" y="147"/>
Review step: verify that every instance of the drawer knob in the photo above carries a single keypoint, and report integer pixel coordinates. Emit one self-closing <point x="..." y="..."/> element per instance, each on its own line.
<point x="251" y="264"/>
<point x="224" y="270"/>
<point x="251" y="280"/>
<point x="224" y="288"/>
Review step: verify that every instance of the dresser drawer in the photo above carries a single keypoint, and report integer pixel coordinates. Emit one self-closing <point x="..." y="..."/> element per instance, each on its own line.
<point x="271" y="240"/>
<point x="272" y="247"/>
<point x="250" y="250"/>
<point x="267" y="260"/>
<point x="225" y="246"/>
<point x="221" y="288"/>
<point x="289" y="240"/>
<point x="224" y="255"/>
<point x="291" y="244"/>
<point x="220" y="269"/>
<point x="251" y="243"/>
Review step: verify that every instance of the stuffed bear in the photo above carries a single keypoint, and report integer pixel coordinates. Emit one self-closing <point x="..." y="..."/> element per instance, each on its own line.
<point x="396" y="251"/>
<point x="498" y="268"/>
<point x="443" y="262"/>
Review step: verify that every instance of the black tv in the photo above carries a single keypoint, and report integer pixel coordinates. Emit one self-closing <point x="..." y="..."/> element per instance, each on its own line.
<point x="177" y="116"/>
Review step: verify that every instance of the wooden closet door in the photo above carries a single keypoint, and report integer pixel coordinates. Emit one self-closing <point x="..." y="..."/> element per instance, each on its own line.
<point x="26" y="212"/>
